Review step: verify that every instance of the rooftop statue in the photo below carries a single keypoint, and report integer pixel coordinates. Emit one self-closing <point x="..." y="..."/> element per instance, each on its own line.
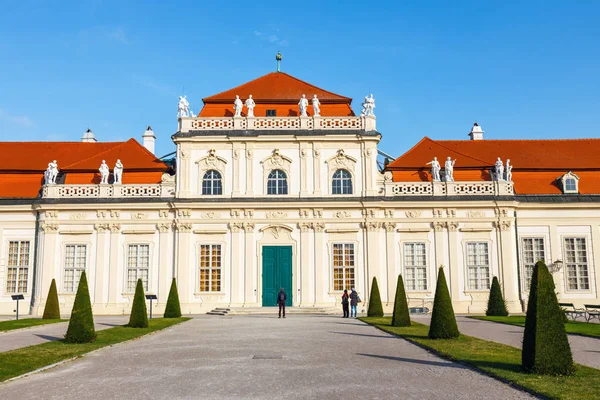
<point x="316" y="106"/>
<point x="51" y="173"/>
<point x="435" y="169"/>
<point x="508" y="171"/>
<point x="368" y="106"/>
<point x="118" y="172"/>
<point x="303" y="103"/>
<point x="237" y="106"/>
<point x="449" y="170"/>
<point x="499" y="170"/>
<point x="183" y="109"/>
<point x="250" y="105"/>
<point x="104" y="172"/>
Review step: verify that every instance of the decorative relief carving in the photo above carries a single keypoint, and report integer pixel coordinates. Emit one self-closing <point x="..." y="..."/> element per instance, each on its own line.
<point x="236" y="154"/>
<point x="115" y="228"/>
<point x="236" y="226"/>
<point x="502" y="213"/>
<point x="317" y="153"/>
<point x="451" y="212"/>
<point x="248" y="227"/>
<point x="475" y="214"/>
<point x="303" y="153"/>
<point x="317" y="213"/>
<point x="439" y="226"/>
<point x="249" y="154"/>
<point x="183" y="226"/>
<point x="389" y="213"/>
<point x="184" y="154"/>
<point x="139" y="215"/>
<point x="184" y="213"/>
<point x="438" y="212"/>
<point x="504" y="225"/>
<point x="318" y="226"/>
<point x="369" y="213"/>
<point x="212" y="161"/>
<point x="48" y="227"/>
<point x="101" y="228"/>
<point x="389" y="226"/>
<point x="51" y="214"/>
<point x="372" y="226"/>
<point x="304" y="212"/>
<point x="275" y="231"/>
<point x="387" y="176"/>
<point x="276" y="214"/>
<point x="452" y="226"/>
<point x="163" y="213"/>
<point x="340" y="161"/>
<point x="304" y="226"/>
<point x="115" y="214"/>
<point x="277" y="161"/>
<point x="77" y="216"/>
<point x="210" y="215"/>
<point x="342" y="214"/>
<point x="413" y="213"/>
<point x="101" y="214"/>
<point x="163" y="227"/>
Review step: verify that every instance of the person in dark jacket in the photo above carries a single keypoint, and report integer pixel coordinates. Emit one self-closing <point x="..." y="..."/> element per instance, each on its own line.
<point x="345" y="303"/>
<point x="354" y="299"/>
<point x="281" y="298"/>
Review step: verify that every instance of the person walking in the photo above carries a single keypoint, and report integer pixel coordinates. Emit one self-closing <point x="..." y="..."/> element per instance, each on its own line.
<point x="354" y="300"/>
<point x="345" y="303"/>
<point x="281" y="298"/>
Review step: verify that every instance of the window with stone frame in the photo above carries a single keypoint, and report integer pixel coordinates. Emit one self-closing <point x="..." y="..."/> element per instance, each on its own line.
<point x="212" y="183"/>
<point x="74" y="264"/>
<point x="576" y="263"/>
<point x="478" y="265"/>
<point x="533" y="250"/>
<point x="138" y="265"/>
<point x="277" y="182"/>
<point x="415" y="266"/>
<point x="343" y="266"/>
<point x="341" y="182"/>
<point x="18" y="266"/>
<point x="210" y="268"/>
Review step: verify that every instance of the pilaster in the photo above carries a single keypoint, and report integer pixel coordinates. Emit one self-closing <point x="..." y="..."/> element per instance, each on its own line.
<point x="235" y="176"/>
<point x="304" y="152"/>
<point x="250" y="275"/>
<point x="184" y="283"/>
<point x="113" y="263"/>
<point x="102" y="260"/>
<point x="317" y="170"/>
<point x="305" y="263"/>
<point x="249" y="171"/>
<point x="392" y="277"/>
<point x="165" y="270"/>
<point x="321" y="274"/>
<point x="454" y="268"/>
<point x="508" y="265"/>
<point x="48" y="264"/>
<point x="237" y="265"/>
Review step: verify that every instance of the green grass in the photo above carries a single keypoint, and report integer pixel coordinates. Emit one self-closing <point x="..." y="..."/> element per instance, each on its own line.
<point x="20" y="361"/>
<point x="26" y="323"/>
<point x="574" y="327"/>
<point x="500" y="361"/>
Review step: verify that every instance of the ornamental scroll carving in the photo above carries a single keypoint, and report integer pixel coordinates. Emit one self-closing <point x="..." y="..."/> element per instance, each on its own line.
<point x="211" y="161"/>
<point x="248" y="227"/>
<point x="372" y="226"/>
<point x="413" y="213"/>
<point x="439" y="226"/>
<point x="236" y="227"/>
<point x="183" y="227"/>
<point x="503" y="225"/>
<point x="340" y="161"/>
<point x="101" y="228"/>
<point x="389" y="226"/>
<point x="115" y="228"/>
<point x="276" y="161"/>
<point x="452" y="226"/>
<point x="318" y="226"/>
<point x="51" y="214"/>
<point x="304" y="226"/>
<point x="77" y="216"/>
<point x="49" y="227"/>
<point x="163" y="227"/>
<point x="139" y="215"/>
<point x="276" y="215"/>
<point x="342" y="214"/>
<point x="210" y="215"/>
<point x="475" y="214"/>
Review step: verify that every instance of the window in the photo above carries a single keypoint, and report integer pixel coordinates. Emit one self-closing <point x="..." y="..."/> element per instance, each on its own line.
<point x="277" y="182"/>
<point x="415" y="266"/>
<point x="211" y="183"/>
<point x="577" y="264"/>
<point x="138" y="264"/>
<point x="18" y="267"/>
<point x="570" y="185"/>
<point x="478" y="265"/>
<point x="569" y="182"/>
<point x="75" y="262"/>
<point x="343" y="266"/>
<point x="341" y="182"/>
<point x="533" y="251"/>
<point x="210" y="268"/>
<point x="271" y="113"/>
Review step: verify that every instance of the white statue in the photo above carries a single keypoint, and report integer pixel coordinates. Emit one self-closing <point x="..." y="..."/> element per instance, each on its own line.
<point x="51" y="173"/>
<point x="368" y="106"/>
<point x="435" y="169"/>
<point x="449" y="170"/>
<point x="237" y="106"/>
<point x="183" y="109"/>
<point x="508" y="171"/>
<point x="104" y="172"/>
<point x="303" y="103"/>
<point x="499" y="170"/>
<point x="250" y="105"/>
<point x="316" y="106"/>
<point x="118" y="172"/>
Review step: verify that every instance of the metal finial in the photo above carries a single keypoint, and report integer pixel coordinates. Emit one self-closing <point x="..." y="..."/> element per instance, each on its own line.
<point x="278" y="57"/>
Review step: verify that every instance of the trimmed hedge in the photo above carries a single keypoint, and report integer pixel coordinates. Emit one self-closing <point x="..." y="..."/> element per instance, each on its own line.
<point x="52" y="309"/>
<point x="496" y="305"/>
<point x="81" y="325"/>
<point x="546" y="349"/>
<point x="375" y="306"/>
<point x="139" y="314"/>
<point x="173" y="309"/>
<point x="400" y="316"/>
<point x="443" y="322"/>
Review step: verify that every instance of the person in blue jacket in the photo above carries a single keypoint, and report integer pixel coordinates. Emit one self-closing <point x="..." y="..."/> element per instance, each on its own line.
<point x="281" y="298"/>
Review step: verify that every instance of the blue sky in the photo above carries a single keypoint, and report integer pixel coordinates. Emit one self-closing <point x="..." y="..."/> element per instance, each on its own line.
<point x="522" y="69"/>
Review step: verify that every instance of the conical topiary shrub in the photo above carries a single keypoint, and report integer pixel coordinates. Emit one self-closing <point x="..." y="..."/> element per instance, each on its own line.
<point x="81" y="325"/>
<point x="443" y="322"/>
<point x="375" y="306"/>
<point x="546" y="347"/>
<point x="52" y="309"/>
<point x="139" y="314"/>
<point x="496" y="306"/>
<point x="400" y="316"/>
<point x="173" y="309"/>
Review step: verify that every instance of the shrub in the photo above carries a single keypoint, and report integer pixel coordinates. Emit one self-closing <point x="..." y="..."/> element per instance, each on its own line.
<point x="139" y="314"/>
<point x="52" y="309"/>
<point x="375" y="307"/>
<point x="496" y="306"/>
<point x="173" y="309"/>
<point x="400" y="316"/>
<point x="443" y="322"/>
<point x="81" y="325"/>
<point x="546" y="349"/>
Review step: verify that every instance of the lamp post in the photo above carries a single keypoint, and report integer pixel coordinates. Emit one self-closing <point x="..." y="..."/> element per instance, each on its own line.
<point x="17" y="297"/>
<point x="151" y="297"/>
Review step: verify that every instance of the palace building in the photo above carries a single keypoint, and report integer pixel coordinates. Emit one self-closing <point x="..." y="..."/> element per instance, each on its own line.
<point x="284" y="192"/>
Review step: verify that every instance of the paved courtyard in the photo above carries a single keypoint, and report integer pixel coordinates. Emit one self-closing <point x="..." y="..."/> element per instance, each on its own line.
<point x="262" y="357"/>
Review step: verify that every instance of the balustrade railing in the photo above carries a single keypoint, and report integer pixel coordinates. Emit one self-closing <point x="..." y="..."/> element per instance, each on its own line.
<point x="485" y="188"/>
<point x="108" y="191"/>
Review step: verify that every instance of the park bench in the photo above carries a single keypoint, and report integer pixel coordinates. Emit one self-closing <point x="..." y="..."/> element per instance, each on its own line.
<point x="571" y="311"/>
<point x="592" y="311"/>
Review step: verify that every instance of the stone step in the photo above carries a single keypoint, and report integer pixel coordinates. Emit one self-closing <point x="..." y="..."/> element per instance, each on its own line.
<point x="288" y="310"/>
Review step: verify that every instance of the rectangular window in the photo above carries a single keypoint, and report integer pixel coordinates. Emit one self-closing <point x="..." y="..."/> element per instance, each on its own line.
<point x="478" y="265"/>
<point x="210" y="268"/>
<point x="343" y="266"/>
<point x="75" y="263"/>
<point x="18" y="267"/>
<point x="415" y="266"/>
<point x="576" y="263"/>
<point x="533" y="251"/>
<point x="138" y="265"/>
<point x="271" y="113"/>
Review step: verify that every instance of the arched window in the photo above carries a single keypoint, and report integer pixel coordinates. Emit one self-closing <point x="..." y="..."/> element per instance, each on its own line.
<point x="211" y="183"/>
<point x="277" y="182"/>
<point x="341" y="182"/>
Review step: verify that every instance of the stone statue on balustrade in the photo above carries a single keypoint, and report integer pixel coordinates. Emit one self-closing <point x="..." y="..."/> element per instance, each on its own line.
<point x="183" y="109"/>
<point x="51" y="173"/>
<point x="449" y="170"/>
<point x="104" y="172"/>
<point x="498" y="170"/>
<point x="237" y="107"/>
<point x="508" y="171"/>
<point x="303" y="104"/>
<point x="316" y="106"/>
<point x="435" y="169"/>
<point x="118" y="172"/>
<point x="250" y="105"/>
<point x="368" y="106"/>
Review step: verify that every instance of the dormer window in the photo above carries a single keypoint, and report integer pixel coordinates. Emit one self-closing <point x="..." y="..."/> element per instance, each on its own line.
<point x="271" y="113"/>
<point x="569" y="183"/>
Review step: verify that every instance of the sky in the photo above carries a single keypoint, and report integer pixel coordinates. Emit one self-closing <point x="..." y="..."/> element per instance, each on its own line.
<point x="521" y="69"/>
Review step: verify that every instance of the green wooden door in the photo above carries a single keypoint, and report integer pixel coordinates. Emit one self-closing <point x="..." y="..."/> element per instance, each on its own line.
<point x="276" y="274"/>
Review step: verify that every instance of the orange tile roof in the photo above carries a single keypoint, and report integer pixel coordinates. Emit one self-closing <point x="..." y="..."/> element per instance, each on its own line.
<point x="282" y="110"/>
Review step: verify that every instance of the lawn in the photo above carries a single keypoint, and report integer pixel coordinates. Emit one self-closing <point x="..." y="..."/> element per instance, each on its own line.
<point x="20" y="361"/>
<point x="26" y="323"/>
<point x="577" y="328"/>
<point x="500" y="361"/>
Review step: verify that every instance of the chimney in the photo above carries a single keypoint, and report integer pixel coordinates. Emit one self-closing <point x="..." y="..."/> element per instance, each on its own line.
<point x="149" y="139"/>
<point x="476" y="132"/>
<point x="88" y="137"/>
